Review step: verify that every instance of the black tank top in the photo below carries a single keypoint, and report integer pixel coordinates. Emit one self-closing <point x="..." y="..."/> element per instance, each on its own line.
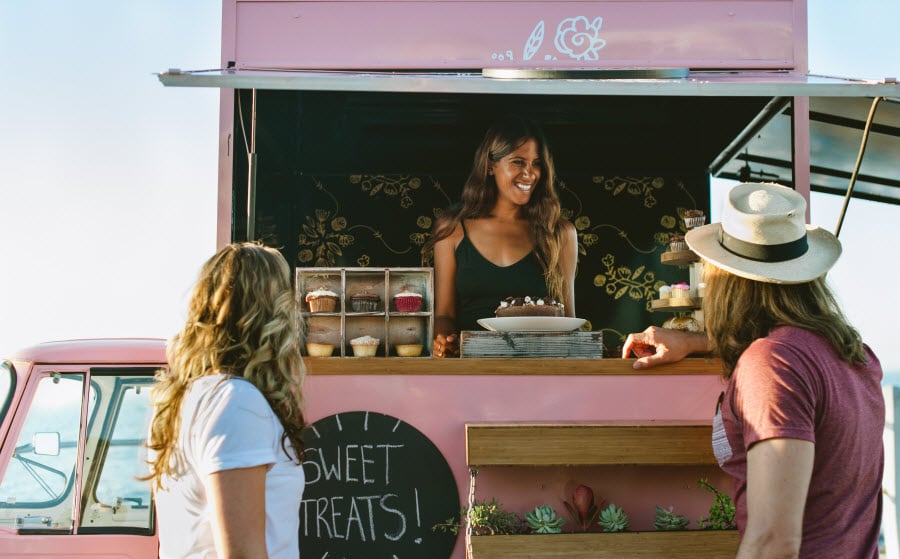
<point x="481" y="284"/>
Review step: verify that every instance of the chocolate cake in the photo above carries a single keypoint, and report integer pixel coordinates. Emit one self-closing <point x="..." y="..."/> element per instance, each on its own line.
<point x="529" y="306"/>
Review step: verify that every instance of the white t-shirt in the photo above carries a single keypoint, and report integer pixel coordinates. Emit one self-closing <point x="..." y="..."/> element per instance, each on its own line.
<point x="226" y="424"/>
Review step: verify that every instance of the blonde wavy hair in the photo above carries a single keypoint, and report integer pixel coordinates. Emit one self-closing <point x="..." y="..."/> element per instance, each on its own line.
<point x="738" y="311"/>
<point x="242" y="320"/>
<point x="543" y="211"/>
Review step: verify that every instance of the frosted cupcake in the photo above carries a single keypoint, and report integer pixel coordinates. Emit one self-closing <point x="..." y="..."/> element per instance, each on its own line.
<point x="665" y="292"/>
<point x="681" y="291"/>
<point x="365" y="302"/>
<point x="407" y="301"/>
<point x="322" y="300"/>
<point x="676" y="243"/>
<point x="364" y="346"/>
<point x="694" y="218"/>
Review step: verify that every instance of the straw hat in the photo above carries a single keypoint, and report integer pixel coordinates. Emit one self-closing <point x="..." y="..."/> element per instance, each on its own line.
<point x="763" y="236"/>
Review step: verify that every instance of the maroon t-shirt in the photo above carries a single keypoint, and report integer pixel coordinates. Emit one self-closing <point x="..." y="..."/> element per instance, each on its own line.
<point x="791" y="384"/>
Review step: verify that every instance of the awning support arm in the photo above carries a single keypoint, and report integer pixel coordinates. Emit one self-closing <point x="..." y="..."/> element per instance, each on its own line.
<point x="859" y="158"/>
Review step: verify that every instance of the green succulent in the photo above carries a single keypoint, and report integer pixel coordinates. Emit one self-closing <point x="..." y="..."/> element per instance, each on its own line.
<point x="668" y="520"/>
<point x="721" y="513"/>
<point x="543" y="520"/>
<point x="486" y="518"/>
<point x="613" y="519"/>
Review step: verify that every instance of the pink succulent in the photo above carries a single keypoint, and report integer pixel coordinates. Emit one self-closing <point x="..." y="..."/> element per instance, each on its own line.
<point x="582" y="509"/>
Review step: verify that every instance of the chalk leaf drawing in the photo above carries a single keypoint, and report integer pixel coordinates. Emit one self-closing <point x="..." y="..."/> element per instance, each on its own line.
<point x="534" y="42"/>
<point x="578" y="38"/>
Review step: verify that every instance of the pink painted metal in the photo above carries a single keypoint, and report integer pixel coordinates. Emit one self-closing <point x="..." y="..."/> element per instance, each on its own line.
<point x="440" y="407"/>
<point x="341" y="34"/>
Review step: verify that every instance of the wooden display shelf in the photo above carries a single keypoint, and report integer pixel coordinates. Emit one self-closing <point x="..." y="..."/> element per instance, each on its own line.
<point x="687" y="544"/>
<point x="678" y="257"/>
<point x="568" y="444"/>
<point x="676" y="305"/>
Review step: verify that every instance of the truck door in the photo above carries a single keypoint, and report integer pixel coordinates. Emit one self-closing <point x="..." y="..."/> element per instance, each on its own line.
<point x="71" y="485"/>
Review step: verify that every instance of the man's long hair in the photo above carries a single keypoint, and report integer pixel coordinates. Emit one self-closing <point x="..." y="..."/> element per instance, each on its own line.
<point x="738" y="311"/>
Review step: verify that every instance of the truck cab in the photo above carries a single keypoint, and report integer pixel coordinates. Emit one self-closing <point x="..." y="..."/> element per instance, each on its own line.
<point x="75" y="416"/>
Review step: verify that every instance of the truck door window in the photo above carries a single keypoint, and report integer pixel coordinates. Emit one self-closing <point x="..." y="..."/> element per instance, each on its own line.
<point x="115" y="500"/>
<point x="7" y="380"/>
<point x="37" y="489"/>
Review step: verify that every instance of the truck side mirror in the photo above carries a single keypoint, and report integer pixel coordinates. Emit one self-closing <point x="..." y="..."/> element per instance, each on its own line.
<point x="45" y="444"/>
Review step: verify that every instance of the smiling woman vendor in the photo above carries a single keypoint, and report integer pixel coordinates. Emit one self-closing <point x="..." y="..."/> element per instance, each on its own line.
<point x="506" y="237"/>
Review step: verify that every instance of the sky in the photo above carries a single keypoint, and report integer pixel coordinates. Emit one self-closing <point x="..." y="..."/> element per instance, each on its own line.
<point x="108" y="179"/>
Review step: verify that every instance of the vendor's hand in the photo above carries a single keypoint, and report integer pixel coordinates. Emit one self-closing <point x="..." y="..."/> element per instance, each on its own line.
<point x="656" y="346"/>
<point x="445" y="346"/>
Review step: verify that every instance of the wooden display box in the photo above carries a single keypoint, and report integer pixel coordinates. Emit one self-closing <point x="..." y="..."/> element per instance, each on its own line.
<point x="686" y="544"/>
<point x="382" y="320"/>
<point x="475" y="343"/>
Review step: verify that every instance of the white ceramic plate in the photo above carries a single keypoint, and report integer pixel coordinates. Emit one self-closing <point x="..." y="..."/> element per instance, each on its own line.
<point x="532" y="323"/>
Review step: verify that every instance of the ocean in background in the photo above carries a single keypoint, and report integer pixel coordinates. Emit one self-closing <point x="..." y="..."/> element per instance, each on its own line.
<point x="891" y="377"/>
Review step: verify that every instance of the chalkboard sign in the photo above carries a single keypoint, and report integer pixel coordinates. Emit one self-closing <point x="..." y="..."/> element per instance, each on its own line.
<point x="375" y="486"/>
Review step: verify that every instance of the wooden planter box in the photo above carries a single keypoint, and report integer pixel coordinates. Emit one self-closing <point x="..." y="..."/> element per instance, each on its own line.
<point x="687" y="544"/>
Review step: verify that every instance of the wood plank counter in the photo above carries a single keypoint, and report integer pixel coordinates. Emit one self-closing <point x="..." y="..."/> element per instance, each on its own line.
<point x="498" y="366"/>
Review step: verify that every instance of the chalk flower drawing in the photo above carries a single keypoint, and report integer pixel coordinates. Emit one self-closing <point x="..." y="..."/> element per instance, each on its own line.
<point x="578" y="38"/>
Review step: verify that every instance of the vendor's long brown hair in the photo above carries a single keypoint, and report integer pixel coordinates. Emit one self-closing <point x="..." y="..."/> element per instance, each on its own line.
<point x="738" y="311"/>
<point x="480" y="193"/>
<point x="242" y="320"/>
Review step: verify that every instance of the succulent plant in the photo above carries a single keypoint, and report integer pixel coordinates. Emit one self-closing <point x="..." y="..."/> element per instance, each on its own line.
<point x="486" y="518"/>
<point x="582" y="509"/>
<point x="666" y="519"/>
<point x="543" y="520"/>
<point x="721" y="513"/>
<point x="613" y="519"/>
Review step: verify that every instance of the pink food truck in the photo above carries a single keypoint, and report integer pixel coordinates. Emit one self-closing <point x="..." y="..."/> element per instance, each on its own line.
<point x="346" y="128"/>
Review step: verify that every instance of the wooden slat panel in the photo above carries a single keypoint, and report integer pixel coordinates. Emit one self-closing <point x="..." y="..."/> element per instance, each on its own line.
<point x="691" y="544"/>
<point x="651" y="443"/>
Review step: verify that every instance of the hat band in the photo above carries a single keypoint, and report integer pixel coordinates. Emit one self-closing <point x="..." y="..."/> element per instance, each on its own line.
<point x="764" y="253"/>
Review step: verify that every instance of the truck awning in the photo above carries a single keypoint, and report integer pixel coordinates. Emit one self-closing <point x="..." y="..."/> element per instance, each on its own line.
<point x="838" y="110"/>
<point x="693" y="83"/>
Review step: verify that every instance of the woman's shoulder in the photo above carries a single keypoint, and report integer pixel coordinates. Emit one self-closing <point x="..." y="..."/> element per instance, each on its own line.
<point x="453" y="228"/>
<point x="226" y="389"/>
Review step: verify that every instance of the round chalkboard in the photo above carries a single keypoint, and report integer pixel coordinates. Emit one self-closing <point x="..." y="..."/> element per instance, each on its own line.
<point x="375" y="487"/>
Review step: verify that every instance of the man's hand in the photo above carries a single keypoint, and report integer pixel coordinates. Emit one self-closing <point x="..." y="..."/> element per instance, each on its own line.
<point x="656" y="346"/>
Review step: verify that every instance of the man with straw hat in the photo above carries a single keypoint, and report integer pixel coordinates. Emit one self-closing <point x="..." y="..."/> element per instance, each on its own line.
<point x="800" y="423"/>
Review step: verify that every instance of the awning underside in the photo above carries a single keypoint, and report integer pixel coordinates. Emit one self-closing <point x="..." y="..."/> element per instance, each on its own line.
<point x="836" y="130"/>
<point x="838" y="110"/>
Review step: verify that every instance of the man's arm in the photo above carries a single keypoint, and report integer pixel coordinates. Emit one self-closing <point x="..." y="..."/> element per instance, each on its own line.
<point x="778" y="475"/>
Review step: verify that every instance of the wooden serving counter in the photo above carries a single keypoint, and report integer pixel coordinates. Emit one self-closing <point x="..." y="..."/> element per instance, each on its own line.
<point x="534" y="428"/>
<point x="502" y="366"/>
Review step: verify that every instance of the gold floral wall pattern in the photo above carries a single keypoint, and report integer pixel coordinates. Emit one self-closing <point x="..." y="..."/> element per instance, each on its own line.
<point x="623" y="224"/>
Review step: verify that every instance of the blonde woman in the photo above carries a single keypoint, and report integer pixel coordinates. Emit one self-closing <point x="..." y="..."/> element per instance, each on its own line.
<point x="505" y="238"/>
<point x="800" y="422"/>
<point x="225" y="438"/>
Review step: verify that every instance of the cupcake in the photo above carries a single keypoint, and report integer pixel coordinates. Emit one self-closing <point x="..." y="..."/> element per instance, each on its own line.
<point x="665" y="292"/>
<point x="365" y="302"/>
<point x="694" y="218"/>
<point x="408" y="350"/>
<point x="676" y="243"/>
<point x="319" y="350"/>
<point x="364" y="346"/>
<point x="681" y="290"/>
<point x="322" y="300"/>
<point x="407" y="301"/>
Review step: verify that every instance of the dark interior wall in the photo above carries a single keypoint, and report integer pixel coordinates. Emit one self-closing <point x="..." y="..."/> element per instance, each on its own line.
<point x="356" y="179"/>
